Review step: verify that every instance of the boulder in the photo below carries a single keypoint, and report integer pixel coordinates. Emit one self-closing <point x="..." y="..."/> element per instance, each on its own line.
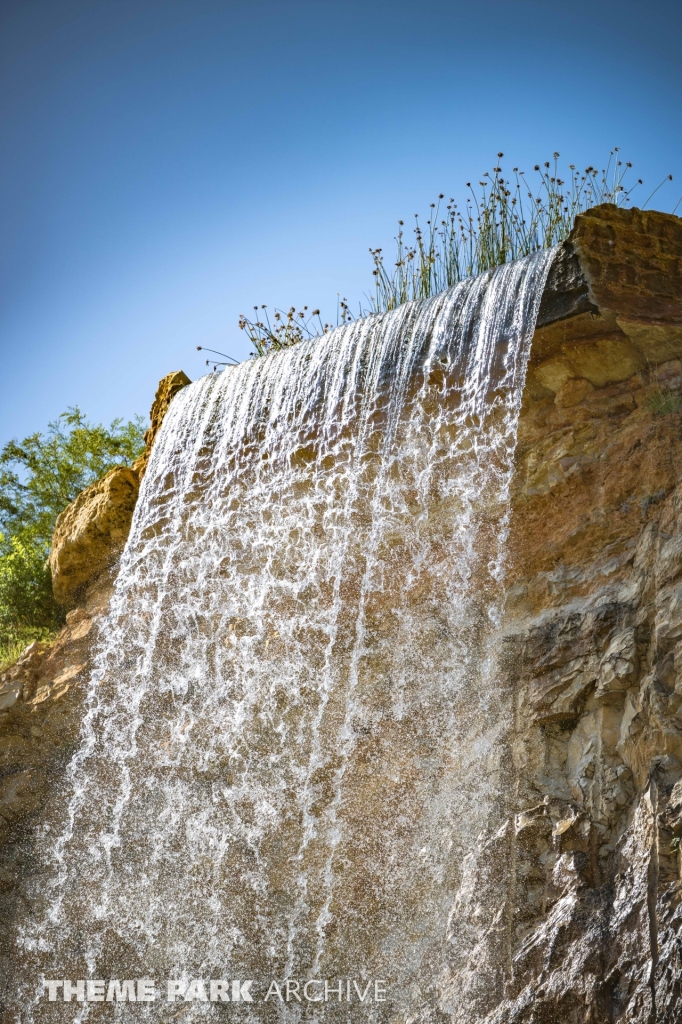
<point x="632" y="261"/>
<point x="165" y="393"/>
<point x="91" y="532"/>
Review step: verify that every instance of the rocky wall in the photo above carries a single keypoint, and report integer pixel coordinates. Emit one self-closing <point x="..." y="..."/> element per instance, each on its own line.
<point x="586" y="924"/>
<point x="578" y="898"/>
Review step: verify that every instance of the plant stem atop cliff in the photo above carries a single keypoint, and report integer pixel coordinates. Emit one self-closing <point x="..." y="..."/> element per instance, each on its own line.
<point x="504" y="219"/>
<point x="510" y="217"/>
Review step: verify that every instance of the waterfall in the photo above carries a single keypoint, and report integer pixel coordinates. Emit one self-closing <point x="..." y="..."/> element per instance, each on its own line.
<point x="293" y="732"/>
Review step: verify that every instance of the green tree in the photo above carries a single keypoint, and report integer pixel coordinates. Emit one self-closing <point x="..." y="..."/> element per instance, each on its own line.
<point x="39" y="477"/>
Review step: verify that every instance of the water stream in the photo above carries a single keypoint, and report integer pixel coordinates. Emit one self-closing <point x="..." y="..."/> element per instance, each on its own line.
<point x="294" y="730"/>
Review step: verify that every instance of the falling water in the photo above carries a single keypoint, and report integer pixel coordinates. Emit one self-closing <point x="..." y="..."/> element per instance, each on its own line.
<point x="293" y="731"/>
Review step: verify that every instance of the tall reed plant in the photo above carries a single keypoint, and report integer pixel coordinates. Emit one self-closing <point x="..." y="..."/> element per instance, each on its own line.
<point x="287" y="328"/>
<point x="505" y="218"/>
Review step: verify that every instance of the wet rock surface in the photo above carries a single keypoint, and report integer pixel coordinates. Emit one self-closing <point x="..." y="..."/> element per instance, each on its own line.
<point x="632" y="260"/>
<point x="165" y="393"/>
<point x="575" y="905"/>
<point x="588" y="896"/>
<point x="91" y="533"/>
<point x="566" y="292"/>
<point x="42" y="701"/>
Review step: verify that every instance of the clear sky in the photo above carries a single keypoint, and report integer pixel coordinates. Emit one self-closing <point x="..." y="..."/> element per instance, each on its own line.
<point x="167" y="164"/>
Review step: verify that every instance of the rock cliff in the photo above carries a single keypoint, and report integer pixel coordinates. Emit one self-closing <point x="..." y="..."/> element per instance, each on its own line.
<point x="577" y="900"/>
<point x="584" y="920"/>
<point x="91" y="533"/>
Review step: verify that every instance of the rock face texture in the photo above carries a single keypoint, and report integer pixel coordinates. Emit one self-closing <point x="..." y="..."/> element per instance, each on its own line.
<point x="41" y="712"/>
<point x="577" y="900"/>
<point x="584" y="921"/>
<point x="632" y="260"/>
<point x="165" y="393"/>
<point x="91" y="533"/>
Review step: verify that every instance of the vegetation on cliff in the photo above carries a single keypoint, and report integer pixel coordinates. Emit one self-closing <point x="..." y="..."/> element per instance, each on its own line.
<point x="39" y="477"/>
<point x="510" y="217"/>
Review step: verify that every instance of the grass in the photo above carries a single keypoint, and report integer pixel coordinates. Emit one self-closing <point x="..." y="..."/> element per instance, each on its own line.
<point x="509" y="218"/>
<point x="664" y="401"/>
<point x="504" y="218"/>
<point x="15" y="644"/>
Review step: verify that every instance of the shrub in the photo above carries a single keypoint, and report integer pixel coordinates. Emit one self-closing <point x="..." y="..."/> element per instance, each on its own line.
<point x="39" y="477"/>
<point x="27" y="609"/>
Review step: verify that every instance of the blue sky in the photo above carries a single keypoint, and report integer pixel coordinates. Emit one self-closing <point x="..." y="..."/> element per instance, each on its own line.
<point x="167" y="164"/>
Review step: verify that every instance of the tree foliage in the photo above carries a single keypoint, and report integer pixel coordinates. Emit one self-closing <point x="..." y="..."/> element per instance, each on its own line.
<point x="39" y="477"/>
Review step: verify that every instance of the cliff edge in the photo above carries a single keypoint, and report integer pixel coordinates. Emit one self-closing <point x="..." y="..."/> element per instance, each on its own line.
<point x="583" y="918"/>
<point x="577" y="900"/>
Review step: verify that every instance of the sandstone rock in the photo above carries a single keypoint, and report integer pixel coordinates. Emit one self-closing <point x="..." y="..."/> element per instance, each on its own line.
<point x="572" y="910"/>
<point x="618" y="667"/>
<point x="658" y="340"/>
<point x="9" y="694"/>
<point x="90" y="534"/>
<point x="165" y="393"/>
<point x="553" y="373"/>
<point x="566" y="293"/>
<point x="570" y="871"/>
<point x="605" y="360"/>
<point x="20" y="794"/>
<point x="594" y="650"/>
<point x="572" y="392"/>
<point x="632" y="260"/>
